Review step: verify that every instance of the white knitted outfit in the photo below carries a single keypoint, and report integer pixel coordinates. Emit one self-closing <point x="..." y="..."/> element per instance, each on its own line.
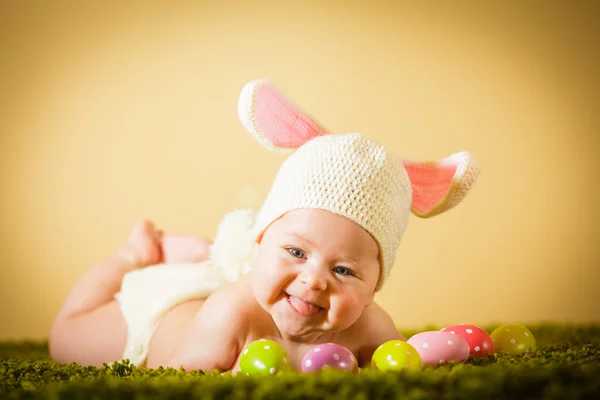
<point x="147" y="294"/>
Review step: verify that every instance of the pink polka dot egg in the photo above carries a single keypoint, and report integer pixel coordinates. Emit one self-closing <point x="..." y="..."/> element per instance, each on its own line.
<point x="436" y="347"/>
<point x="480" y="343"/>
<point x="329" y="355"/>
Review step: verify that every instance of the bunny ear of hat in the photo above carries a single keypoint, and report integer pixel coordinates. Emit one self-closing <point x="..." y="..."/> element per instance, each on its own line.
<point x="439" y="186"/>
<point x="273" y="120"/>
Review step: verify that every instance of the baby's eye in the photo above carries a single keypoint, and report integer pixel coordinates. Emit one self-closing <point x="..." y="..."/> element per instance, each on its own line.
<point x="344" y="271"/>
<point x="296" y="252"/>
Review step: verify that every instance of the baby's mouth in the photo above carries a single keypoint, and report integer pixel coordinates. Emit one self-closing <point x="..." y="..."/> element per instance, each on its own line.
<point x="303" y="307"/>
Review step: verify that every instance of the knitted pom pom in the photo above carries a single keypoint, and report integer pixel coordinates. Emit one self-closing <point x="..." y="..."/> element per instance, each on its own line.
<point x="234" y="242"/>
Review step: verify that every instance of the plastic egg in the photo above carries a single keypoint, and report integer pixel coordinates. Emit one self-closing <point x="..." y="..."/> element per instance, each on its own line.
<point x="513" y="338"/>
<point x="329" y="355"/>
<point x="395" y="355"/>
<point x="437" y="347"/>
<point x="264" y="357"/>
<point x="479" y="341"/>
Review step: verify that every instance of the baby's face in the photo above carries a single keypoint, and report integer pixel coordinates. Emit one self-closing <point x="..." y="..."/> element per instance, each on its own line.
<point x="315" y="272"/>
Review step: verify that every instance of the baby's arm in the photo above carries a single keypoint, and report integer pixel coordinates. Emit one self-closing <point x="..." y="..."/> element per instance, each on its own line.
<point x="214" y="337"/>
<point x="378" y="328"/>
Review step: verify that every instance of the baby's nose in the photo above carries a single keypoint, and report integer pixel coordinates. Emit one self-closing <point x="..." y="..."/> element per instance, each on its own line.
<point x="314" y="279"/>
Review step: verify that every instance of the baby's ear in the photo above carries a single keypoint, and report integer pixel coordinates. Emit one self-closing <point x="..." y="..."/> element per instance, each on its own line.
<point x="439" y="186"/>
<point x="273" y="120"/>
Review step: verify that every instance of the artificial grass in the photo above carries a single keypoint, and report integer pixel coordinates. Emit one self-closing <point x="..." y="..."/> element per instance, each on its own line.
<point x="566" y="365"/>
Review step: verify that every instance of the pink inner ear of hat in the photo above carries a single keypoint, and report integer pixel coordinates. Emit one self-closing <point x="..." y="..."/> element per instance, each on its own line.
<point x="430" y="183"/>
<point x="282" y="123"/>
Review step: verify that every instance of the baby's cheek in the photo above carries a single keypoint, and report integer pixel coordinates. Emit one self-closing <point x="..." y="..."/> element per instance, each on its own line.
<point x="272" y="277"/>
<point x="282" y="271"/>
<point x="348" y="310"/>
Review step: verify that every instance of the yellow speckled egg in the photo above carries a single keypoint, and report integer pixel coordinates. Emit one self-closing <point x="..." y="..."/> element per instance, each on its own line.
<point x="513" y="338"/>
<point x="395" y="355"/>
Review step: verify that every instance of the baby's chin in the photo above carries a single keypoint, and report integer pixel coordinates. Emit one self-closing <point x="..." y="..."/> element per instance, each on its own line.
<point x="313" y="330"/>
<point x="303" y="334"/>
<point x="298" y="329"/>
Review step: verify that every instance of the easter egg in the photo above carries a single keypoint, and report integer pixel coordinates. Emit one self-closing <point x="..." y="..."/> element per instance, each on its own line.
<point x="513" y="338"/>
<point x="264" y="357"/>
<point x="437" y="347"/>
<point x="329" y="355"/>
<point x="395" y="355"/>
<point x="480" y="343"/>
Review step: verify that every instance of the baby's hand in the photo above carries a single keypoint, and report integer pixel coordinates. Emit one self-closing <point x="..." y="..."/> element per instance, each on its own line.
<point x="178" y="249"/>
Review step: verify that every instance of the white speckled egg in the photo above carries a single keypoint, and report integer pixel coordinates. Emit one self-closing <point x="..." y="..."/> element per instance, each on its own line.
<point x="437" y="347"/>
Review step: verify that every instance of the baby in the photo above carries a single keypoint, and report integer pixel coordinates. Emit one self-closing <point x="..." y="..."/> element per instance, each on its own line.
<point x="302" y="271"/>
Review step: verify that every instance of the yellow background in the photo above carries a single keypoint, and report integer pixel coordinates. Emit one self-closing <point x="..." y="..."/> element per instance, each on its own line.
<point x="116" y="111"/>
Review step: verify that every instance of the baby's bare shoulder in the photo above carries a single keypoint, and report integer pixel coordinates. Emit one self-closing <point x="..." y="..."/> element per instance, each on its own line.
<point x="236" y="300"/>
<point x="374" y="327"/>
<point x="375" y="320"/>
<point x="217" y="333"/>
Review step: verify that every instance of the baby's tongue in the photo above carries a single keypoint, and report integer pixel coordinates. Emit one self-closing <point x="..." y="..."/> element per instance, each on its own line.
<point x="303" y="307"/>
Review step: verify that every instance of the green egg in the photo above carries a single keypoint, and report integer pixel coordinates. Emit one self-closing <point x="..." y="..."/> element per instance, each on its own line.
<point x="513" y="338"/>
<point x="395" y="355"/>
<point x="264" y="357"/>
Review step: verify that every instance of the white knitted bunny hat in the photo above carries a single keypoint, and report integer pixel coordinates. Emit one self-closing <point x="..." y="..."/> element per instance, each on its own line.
<point x="347" y="174"/>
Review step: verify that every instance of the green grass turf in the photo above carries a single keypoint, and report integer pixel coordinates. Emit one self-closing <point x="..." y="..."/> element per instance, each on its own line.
<point x="566" y="365"/>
